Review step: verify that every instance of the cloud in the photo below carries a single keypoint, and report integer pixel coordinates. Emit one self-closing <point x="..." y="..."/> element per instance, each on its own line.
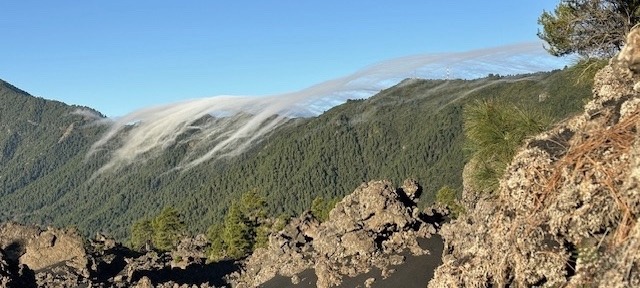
<point x="87" y="113"/>
<point x="237" y="122"/>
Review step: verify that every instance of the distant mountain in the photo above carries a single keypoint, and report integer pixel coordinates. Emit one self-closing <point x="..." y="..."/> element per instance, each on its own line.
<point x="39" y="139"/>
<point x="413" y="129"/>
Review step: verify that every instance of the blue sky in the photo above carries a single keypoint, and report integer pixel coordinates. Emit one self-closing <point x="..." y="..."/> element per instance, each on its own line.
<point x="118" y="56"/>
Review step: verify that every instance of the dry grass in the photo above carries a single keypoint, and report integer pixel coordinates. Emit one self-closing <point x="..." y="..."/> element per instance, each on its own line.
<point x="586" y="161"/>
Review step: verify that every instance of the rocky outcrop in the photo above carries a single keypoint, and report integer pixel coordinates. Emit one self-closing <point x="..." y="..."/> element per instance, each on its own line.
<point x="6" y="275"/>
<point x="13" y="275"/>
<point x="39" y="248"/>
<point x="57" y="256"/>
<point x="566" y="213"/>
<point x="367" y="229"/>
<point x="372" y="228"/>
<point x="31" y="256"/>
<point x="14" y="238"/>
<point x="53" y="247"/>
<point x="190" y="250"/>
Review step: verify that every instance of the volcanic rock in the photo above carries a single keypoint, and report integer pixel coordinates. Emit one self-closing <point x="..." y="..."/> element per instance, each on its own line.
<point x="39" y="249"/>
<point x="6" y="277"/>
<point x="190" y="250"/>
<point x="562" y="217"/>
<point x="367" y="229"/>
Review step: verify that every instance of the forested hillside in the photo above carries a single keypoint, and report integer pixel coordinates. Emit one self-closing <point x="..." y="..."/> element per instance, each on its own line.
<point x="40" y="138"/>
<point x="413" y="129"/>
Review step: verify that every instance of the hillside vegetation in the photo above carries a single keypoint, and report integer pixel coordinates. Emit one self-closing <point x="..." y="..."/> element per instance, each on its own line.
<point x="414" y="129"/>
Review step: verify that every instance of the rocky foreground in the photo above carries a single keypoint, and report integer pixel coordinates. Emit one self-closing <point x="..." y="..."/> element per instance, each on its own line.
<point x="369" y="229"/>
<point x="566" y="213"/>
<point x="31" y="256"/>
<point x="370" y="233"/>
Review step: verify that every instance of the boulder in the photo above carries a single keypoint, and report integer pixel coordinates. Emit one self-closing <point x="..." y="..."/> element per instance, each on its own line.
<point x="52" y="247"/>
<point x="39" y="249"/>
<point x="190" y="250"/>
<point x="367" y="228"/>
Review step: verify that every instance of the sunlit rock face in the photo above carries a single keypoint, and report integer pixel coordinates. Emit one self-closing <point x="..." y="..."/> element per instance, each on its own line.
<point x="566" y="213"/>
<point x="368" y="229"/>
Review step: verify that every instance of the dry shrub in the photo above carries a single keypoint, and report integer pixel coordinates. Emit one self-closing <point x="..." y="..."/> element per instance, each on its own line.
<point x="585" y="160"/>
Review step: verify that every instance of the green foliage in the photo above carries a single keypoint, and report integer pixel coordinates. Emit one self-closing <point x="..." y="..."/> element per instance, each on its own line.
<point x="590" y="28"/>
<point x="141" y="234"/>
<point x="161" y="232"/>
<point x="168" y="228"/>
<point x="557" y="28"/>
<point x="217" y="248"/>
<point x="262" y="236"/>
<point x="243" y="229"/>
<point x="448" y="197"/>
<point x="252" y="207"/>
<point x="280" y="222"/>
<point x="588" y="68"/>
<point x="236" y="233"/>
<point x="320" y="208"/>
<point x="494" y="131"/>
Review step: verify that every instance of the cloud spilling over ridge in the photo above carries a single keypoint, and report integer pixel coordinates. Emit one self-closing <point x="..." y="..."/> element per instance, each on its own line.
<point x="236" y="122"/>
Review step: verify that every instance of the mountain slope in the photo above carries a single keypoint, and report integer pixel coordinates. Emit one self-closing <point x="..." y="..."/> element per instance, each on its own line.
<point x="413" y="129"/>
<point x="39" y="138"/>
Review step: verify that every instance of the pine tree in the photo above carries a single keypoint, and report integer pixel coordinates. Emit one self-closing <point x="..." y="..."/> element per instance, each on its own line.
<point x="591" y="28"/>
<point x="252" y="207"/>
<point x="494" y="131"/>
<point x="217" y="249"/>
<point x="141" y="234"/>
<point x="167" y="229"/>
<point x="236" y="233"/>
<point x="245" y="228"/>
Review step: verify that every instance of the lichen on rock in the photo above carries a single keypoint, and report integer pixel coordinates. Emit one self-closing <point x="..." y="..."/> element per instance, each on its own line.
<point x="565" y="214"/>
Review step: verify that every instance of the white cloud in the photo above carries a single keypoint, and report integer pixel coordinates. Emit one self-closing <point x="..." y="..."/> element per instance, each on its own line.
<point x="159" y="127"/>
